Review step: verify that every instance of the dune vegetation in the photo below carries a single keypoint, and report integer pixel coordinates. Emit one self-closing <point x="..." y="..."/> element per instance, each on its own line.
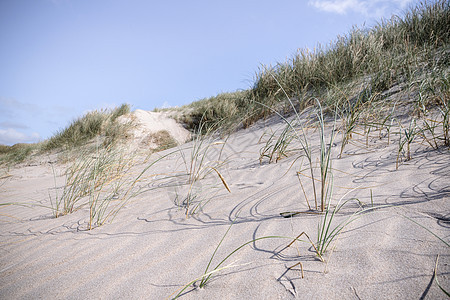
<point x="97" y="123"/>
<point x="409" y="52"/>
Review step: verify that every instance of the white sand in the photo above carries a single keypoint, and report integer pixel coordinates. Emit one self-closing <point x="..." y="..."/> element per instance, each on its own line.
<point x="151" y="250"/>
<point x="148" y="124"/>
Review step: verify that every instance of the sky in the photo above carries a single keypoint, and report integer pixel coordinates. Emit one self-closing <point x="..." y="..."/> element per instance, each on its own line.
<point x="62" y="58"/>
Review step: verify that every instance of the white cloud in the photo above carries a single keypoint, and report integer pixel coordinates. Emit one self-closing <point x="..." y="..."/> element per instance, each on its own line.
<point x="11" y="136"/>
<point x="16" y="117"/>
<point x="368" y="8"/>
<point x="339" y="6"/>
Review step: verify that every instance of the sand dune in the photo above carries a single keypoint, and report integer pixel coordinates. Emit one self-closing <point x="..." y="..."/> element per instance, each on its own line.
<point x="151" y="250"/>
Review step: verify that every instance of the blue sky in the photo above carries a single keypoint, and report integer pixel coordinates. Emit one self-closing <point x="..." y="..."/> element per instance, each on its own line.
<point x="62" y="58"/>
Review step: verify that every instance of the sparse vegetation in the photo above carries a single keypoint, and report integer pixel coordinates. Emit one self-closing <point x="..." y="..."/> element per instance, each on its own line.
<point x="275" y="148"/>
<point x="102" y="181"/>
<point x="407" y="136"/>
<point x="205" y="157"/>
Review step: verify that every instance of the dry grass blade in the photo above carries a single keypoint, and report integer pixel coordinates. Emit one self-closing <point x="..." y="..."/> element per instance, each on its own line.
<point x="303" y="190"/>
<point x="310" y="241"/>
<point x="222" y="179"/>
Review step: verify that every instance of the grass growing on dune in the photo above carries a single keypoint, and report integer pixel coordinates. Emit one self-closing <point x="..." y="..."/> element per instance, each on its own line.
<point x="93" y="124"/>
<point x="276" y="148"/>
<point x="299" y="133"/>
<point x="16" y="153"/>
<point x="103" y="182"/>
<point x="203" y="159"/>
<point x="101" y="123"/>
<point x="87" y="177"/>
<point x="407" y="136"/>
<point x="398" y="50"/>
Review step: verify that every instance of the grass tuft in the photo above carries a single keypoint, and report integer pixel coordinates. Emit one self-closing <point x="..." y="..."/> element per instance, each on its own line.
<point x="17" y="153"/>
<point x="205" y="157"/>
<point x="93" y="124"/>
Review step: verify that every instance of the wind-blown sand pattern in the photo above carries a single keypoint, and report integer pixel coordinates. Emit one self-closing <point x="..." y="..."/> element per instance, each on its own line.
<point x="151" y="250"/>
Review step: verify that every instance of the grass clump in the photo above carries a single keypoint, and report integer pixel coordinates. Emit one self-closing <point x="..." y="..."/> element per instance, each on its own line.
<point x="223" y="110"/>
<point x="203" y="159"/>
<point x="17" y="153"/>
<point x="389" y="51"/>
<point x="275" y="148"/>
<point x="103" y="182"/>
<point x="96" y="123"/>
<point x="404" y="143"/>
<point x="164" y="140"/>
<point x="93" y="124"/>
<point x="87" y="177"/>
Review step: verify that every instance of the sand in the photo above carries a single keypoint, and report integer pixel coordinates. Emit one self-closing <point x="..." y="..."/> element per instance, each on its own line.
<point x="148" y="125"/>
<point x="151" y="250"/>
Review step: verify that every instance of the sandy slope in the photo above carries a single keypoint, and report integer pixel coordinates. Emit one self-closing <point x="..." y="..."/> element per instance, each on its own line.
<point x="151" y="250"/>
<point x="149" y="124"/>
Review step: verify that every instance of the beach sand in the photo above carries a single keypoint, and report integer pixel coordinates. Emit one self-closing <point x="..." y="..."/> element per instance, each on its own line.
<point x="151" y="250"/>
